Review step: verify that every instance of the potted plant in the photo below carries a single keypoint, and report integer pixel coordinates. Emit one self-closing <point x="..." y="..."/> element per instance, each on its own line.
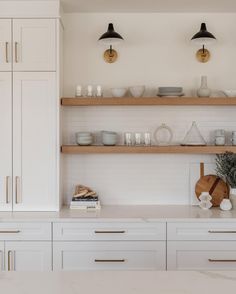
<point x="226" y="169"/>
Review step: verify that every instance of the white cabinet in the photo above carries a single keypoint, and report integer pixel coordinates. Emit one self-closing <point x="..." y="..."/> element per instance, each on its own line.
<point x="201" y="246"/>
<point x="201" y="255"/>
<point x="126" y="255"/>
<point x="5" y="45"/>
<point x="28" y="256"/>
<point x="28" y="45"/>
<point x="34" y="45"/>
<point x="6" y="141"/>
<point x="34" y="141"/>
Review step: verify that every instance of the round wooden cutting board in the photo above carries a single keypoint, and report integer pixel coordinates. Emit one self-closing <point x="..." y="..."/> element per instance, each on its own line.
<point x="216" y="187"/>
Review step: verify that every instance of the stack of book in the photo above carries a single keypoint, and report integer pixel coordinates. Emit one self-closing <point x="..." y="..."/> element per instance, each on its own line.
<point x="85" y="198"/>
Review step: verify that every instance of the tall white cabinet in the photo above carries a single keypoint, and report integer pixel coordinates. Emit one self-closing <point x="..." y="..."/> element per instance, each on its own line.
<point x="29" y="114"/>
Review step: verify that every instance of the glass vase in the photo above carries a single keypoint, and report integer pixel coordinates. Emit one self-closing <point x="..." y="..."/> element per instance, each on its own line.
<point x="232" y="197"/>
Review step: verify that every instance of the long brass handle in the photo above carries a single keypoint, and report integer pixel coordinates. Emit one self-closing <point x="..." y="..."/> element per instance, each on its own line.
<point x="7" y="58"/>
<point x="221" y="260"/>
<point x="7" y="190"/>
<point x="222" y="232"/>
<point x="9" y="255"/>
<point x="10" y="232"/>
<point x="109" y="232"/>
<point x="16" y="52"/>
<point x="17" y="190"/>
<point x="109" y="260"/>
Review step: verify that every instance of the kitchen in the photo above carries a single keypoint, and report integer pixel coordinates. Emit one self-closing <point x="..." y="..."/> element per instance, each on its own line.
<point x="149" y="218"/>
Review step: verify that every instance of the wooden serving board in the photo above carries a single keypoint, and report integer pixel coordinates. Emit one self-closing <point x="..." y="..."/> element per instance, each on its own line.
<point x="216" y="187"/>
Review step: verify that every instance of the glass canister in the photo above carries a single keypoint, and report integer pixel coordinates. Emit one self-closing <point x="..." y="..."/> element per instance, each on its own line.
<point x="233" y="138"/>
<point x="220" y="137"/>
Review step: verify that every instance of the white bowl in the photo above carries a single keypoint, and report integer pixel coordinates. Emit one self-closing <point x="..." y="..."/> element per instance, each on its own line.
<point x="118" y="92"/>
<point x="137" y="91"/>
<point x="230" y="93"/>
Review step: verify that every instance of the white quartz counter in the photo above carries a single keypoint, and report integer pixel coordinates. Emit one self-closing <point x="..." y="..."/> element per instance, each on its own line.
<point x="117" y="282"/>
<point x="144" y="213"/>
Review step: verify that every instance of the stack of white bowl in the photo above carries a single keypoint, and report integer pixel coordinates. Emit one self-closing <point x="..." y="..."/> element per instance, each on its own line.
<point x="84" y="138"/>
<point x="109" y="138"/>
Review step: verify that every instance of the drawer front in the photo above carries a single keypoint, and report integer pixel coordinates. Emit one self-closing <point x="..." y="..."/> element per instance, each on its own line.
<point x="25" y="231"/>
<point x="72" y="256"/>
<point x="203" y="255"/>
<point x="109" y="231"/>
<point x="201" y="231"/>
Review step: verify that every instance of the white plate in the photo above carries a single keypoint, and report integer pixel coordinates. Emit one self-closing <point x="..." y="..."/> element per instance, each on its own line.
<point x="170" y="94"/>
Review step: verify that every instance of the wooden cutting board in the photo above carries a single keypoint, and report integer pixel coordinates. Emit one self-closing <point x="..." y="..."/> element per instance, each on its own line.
<point x="216" y="187"/>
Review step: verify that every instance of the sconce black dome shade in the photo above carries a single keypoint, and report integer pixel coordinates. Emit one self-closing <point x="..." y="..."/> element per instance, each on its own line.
<point x="111" y="34"/>
<point x="203" y="33"/>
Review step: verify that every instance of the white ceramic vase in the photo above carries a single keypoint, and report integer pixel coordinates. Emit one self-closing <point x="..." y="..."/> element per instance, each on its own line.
<point x="232" y="197"/>
<point x="226" y="204"/>
<point x="204" y="91"/>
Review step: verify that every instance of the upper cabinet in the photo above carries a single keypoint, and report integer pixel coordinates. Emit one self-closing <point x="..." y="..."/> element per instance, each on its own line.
<point x="5" y="45"/>
<point x="28" y="44"/>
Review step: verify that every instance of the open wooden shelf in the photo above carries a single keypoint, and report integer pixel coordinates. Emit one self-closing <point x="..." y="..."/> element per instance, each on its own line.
<point x="129" y="101"/>
<point x="75" y="149"/>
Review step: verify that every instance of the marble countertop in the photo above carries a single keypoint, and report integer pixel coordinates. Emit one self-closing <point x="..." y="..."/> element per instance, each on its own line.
<point x="117" y="282"/>
<point x="143" y="213"/>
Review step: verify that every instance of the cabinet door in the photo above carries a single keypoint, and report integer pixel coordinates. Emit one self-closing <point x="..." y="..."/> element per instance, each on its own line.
<point x="5" y="45"/>
<point x="6" y="141"/>
<point x="100" y="255"/>
<point x="34" y="141"/>
<point x="2" y="262"/>
<point x="28" y="256"/>
<point x="201" y="255"/>
<point x="34" y="44"/>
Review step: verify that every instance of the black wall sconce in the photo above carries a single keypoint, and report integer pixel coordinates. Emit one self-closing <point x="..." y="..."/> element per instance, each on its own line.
<point x="203" y="37"/>
<point x="111" y="37"/>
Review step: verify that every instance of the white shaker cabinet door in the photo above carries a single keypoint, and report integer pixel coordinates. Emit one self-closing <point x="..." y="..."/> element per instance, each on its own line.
<point x="34" y="141"/>
<point x="2" y="262"/>
<point x="6" y="141"/>
<point x="5" y="45"/>
<point x="28" y="256"/>
<point x="34" y="45"/>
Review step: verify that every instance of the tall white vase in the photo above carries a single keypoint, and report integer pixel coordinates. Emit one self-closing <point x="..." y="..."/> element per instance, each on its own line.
<point x="204" y="91"/>
<point x="232" y="197"/>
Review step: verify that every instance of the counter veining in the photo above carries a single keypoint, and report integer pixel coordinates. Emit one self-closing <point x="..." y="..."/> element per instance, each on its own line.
<point x="137" y="213"/>
<point x="116" y="282"/>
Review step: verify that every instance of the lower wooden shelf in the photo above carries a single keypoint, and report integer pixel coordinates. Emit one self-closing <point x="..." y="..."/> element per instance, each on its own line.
<point x="210" y="149"/>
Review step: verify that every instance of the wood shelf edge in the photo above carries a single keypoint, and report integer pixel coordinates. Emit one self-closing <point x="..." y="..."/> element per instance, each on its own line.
<point x="210" y="149"/>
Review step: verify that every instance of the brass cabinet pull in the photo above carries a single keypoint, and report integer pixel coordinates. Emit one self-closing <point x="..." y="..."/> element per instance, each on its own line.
<point x="7" y="190"/>
<point x="109" y="260"/>
<point x="9" y="232"/>
<point x="9" y="255"/>
<point x="109" y="232"/>
<point x="16" y="52"/>
<point x="18" y="196"/>
<point x="221" y="260"/>
<point x="7" y="58"/>
<point x="222" y="232"/>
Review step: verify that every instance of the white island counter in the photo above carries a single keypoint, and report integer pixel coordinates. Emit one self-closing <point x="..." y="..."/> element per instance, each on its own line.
<point x="149" y="282"/>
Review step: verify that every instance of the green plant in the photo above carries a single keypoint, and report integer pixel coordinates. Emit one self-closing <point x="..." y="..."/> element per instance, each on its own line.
<point x="226" y="167"/>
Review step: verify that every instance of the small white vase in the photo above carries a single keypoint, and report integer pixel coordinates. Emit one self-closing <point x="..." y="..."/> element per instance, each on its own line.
<point x="203" y="91"/>
<point x="232" y="197"/>
<point x="226" y="204"/>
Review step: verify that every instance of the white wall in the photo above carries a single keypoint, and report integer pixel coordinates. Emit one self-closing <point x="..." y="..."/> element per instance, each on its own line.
<point x="156" y="52"/>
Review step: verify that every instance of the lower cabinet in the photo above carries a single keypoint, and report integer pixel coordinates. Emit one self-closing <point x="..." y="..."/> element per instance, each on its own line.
<point x="146" y="255"/>
<point x="26" y="256"/>
<point x="201" y="255"/>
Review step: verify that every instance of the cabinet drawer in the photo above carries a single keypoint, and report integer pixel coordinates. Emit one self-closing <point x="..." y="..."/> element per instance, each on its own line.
<point x="201" y="231"/>
<point x="25" y="231"/>
<point x="203" y="255"/>
<point x="109" y="255"/>
<point x="109" y="231"/>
